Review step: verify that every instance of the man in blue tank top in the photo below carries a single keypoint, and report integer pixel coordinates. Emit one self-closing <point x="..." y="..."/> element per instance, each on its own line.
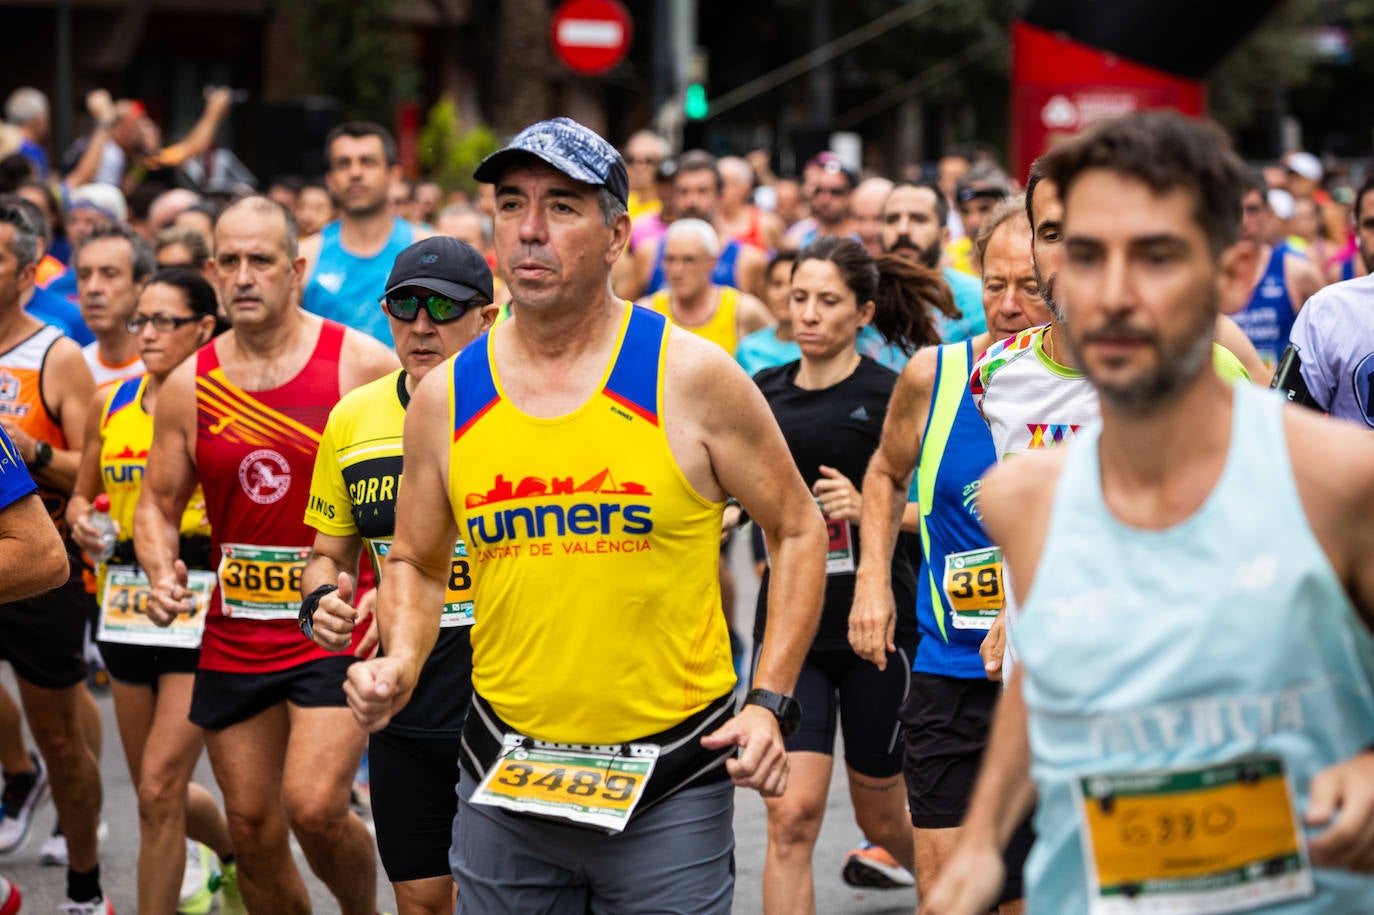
<point x="1194" y="703"/>
<point x="348" y="261"/>
<point x="934" y="430"/>
<point x="1288" y="280"/>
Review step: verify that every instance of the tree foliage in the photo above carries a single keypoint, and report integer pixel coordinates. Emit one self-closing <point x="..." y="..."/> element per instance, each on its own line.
<point x="349" y="52"/>
<point x="449" y="152"/>
<point x="1272" y="60"/>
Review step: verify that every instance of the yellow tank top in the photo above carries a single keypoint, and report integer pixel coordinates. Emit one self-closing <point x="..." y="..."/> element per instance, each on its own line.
<point x="722" y="328"/>
<point x="126" y="433"/>
<point x="595" y="560"/>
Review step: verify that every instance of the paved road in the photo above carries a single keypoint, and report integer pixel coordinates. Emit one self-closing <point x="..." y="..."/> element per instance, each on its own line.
<point x="44" y="888"/>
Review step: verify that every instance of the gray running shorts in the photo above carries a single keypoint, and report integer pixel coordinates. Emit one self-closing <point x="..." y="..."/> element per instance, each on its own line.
<point x="677" y="856"/>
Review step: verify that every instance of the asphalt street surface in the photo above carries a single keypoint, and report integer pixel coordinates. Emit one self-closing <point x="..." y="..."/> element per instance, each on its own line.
<point x="44" y="888"/>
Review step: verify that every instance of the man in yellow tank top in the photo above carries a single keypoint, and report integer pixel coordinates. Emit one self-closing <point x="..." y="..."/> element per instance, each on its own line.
<point x="585" y="450"/>
<point x="721" y="314"/>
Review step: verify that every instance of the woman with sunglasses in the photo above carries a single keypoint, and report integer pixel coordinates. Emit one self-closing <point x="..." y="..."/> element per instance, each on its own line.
<point x="152" y="668"/>
<point x="830" y="405"/>
<point x="438" y="299"/>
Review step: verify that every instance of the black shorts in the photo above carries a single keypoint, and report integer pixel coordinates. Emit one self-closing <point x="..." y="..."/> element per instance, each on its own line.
<point x="220" y="698"/>
<point x="414" y="799"/>
<point x="143" y="665"/>
<point x="44" y="637"/>
<point x="841" y="688"/>
<point x="946" y="723"/>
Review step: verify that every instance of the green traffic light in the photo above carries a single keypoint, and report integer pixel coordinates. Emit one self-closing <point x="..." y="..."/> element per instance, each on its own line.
<point x="694" y="105"/>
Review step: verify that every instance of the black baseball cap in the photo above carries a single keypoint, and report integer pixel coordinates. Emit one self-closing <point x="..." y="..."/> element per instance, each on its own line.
<point x="444" y="265"/>
<point x="574" y="149"/>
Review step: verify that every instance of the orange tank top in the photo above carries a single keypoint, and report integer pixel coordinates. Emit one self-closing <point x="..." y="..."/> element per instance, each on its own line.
<point x="21" y="402"/>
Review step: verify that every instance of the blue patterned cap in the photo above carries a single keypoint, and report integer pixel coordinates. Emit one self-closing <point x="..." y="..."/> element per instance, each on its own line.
<point x="575" y="150"/>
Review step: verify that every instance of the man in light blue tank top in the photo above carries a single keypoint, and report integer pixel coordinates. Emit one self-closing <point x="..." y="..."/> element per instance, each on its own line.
<point x="1191" y="593"/>
<point x="348" y="262"/>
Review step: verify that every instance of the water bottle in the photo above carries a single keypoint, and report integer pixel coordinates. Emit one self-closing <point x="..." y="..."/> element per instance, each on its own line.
<point x="100" y="520"/>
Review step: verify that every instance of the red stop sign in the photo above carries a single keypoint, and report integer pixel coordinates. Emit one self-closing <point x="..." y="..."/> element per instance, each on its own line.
<point x="591" y="36"/>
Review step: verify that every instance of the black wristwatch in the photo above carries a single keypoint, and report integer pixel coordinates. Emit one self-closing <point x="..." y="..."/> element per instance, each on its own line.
<point x="312" y="600"/>
<point x="787" y="710"/>
<point x="42" y="455"/>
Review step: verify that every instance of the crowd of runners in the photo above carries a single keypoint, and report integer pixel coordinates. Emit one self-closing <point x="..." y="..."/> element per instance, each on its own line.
<point x="1131" y="675"/>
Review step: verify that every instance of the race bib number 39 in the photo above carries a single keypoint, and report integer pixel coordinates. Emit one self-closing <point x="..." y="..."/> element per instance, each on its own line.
<point x="261" y="582"/>
<point x="1195" y="841"/>
<point x="124" y="610"/>
<point x="457" y="600"/>
<point x="598" y="787"/>
<point x="973" y="586"/>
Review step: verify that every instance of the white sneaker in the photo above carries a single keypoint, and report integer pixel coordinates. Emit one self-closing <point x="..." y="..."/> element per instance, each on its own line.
<point x="18" y="803"/>
<point x="95" y="907"/>
<point x="53" y="851"/>
<point x="195" y="898"/>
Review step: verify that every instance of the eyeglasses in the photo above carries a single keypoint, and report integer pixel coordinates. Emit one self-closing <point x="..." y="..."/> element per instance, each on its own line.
<point x="821" y="190"/>
<point x="161" y="323"/>
<point x="441" y="308"/>
<point x="643" y="160"/>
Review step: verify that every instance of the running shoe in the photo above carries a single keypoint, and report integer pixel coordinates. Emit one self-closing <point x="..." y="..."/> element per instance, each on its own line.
<point x="873" y="868"/>
<point x="225" y="881"/>
<point x="53" y="851"/>
<point x="196" y="898"/>
<point x="94" y="907"/>
<point x="22" y="795"/>
<point x="9" y="897"/>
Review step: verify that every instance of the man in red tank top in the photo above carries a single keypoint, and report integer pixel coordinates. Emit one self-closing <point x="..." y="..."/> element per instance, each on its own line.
<point x="244" y="419"/>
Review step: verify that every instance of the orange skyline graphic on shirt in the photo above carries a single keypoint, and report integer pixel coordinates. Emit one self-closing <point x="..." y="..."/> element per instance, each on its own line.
<point x="128" y="454"/>
<point x="503" y="490"/>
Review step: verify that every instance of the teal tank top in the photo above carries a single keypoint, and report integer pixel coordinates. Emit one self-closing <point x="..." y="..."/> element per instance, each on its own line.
<point x="1225" y="636"/>
<point x="347" y="289"/>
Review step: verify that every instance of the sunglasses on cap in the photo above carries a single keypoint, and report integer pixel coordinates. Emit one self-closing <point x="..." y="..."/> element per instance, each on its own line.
<point x="441" y="308"/>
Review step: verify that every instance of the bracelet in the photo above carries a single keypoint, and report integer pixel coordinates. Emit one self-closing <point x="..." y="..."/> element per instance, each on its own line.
<point x="312" y="600"/>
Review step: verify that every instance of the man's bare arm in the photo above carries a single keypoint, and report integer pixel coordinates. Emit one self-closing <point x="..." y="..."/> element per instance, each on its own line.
<point x="417" y="567"/>
<point x="331" y="562"/>
<point x="714" y="397"/>
<point x="168" y="482"/>
<point x="102" y="110"/>
<point x="201" y="136"/>
<point x="742" y="436"/>
<point x="872" y="619"/>
<point x="33" y="558"/>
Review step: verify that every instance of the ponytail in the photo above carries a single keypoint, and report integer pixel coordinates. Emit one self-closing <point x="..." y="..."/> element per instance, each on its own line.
<point x="905" y="294"/>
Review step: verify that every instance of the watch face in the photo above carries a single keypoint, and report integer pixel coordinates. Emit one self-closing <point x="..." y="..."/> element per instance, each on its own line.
<point x="789" y="717"/>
